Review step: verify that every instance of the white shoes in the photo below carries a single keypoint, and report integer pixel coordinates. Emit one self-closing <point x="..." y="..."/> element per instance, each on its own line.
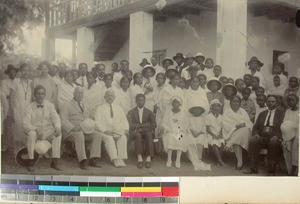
<point x="177" y="165"/>
<point x="169" y="163"/>
<point x="119" y="163"/>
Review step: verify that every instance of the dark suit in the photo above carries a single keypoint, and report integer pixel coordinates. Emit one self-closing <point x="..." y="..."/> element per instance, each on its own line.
<point x="274" y="147"/>
<point x="142" y="130"/>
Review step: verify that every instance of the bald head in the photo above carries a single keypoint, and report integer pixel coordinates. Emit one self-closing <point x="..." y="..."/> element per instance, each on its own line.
<point x="109" y="96"/>
<point x="78" y="94"/>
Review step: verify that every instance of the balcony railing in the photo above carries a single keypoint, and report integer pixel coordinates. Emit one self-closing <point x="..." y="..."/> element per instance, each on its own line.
<point x="64" y="11"/>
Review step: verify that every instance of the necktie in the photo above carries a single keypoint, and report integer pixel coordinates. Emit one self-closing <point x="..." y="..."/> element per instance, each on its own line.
<point x="269" y="118"/>
<point x="40" y="106"/>
<point x="111" y="111"/>
<point x="81" y="107"/>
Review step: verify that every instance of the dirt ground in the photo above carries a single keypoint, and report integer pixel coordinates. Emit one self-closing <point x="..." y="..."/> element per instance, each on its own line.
<point x="70" y="167"/>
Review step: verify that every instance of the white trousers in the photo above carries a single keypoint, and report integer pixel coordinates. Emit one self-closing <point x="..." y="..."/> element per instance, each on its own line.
<point x="115" y="147"/>
<point x="55" y="141"/>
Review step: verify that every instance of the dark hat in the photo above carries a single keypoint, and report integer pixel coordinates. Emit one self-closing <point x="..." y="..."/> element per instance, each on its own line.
<point x="226" y="86"/>
<point x="146" y="68"/>
<point x="178" y="55"/>
<point x="23" y="162"/>
<point x="191" y="67"/>
<point x="144" y="62"/>
<point x="10" y="67"/>
<point x="167" y="59"/>
<point x="209" y="83"/>
<point x="196" y="111"/>
<point x="254" y="59"/>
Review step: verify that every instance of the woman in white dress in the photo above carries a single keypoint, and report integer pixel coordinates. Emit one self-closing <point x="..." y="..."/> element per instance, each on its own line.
<point x="20" y="96"/>
<point x="169" y="91"/>
<point x="92" y="97"/>
<point x="46" y="81"/>
<point x="237" y="128"/>
<point x="65" y="89"/>
<point x="124" y="94"/>
<point x="148" y="85"/>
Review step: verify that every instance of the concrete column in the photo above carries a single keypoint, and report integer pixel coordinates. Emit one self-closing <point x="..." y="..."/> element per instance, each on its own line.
<point x="85" y="46"/>
<point x="140" y="38"/>
<point x="48" y="48"/>
<point x="232" y="37"/>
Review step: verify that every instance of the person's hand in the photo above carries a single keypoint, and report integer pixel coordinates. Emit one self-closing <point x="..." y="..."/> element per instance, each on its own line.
<point x="39" y="132"/>
<point x="76" y="129"/>
<point x="109" y="133"/>
<point x="274" y="139"/>
<point x="57" y="132"/>
<point x="126" y="132"/>
<point x="238" y="126"/>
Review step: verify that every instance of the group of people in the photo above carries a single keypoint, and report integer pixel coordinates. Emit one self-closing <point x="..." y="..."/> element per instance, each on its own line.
<point x="186" y="104"/>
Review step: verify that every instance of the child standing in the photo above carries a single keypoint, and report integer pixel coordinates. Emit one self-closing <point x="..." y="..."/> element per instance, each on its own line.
<point x="213" y="122"/>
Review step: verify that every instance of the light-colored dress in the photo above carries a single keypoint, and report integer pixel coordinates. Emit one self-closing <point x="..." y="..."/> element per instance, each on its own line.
<point x="175" y="131"/>
<point x="215" y="124"/>
<point x="64" y="93"/>
<point x="125" y="101"/>
<point x="165" y="96"/>
<point x="249" y="107"/>
<point x="197" y="124"/>
<point x="236" y="136"/>
<point x="158" y="115"/>
<point x="135" y="90"/>
<point x="196" y="98"/>
<point x="21" y="100"/>
<point x="93" y="98"/>
<point x="150" y="97"/>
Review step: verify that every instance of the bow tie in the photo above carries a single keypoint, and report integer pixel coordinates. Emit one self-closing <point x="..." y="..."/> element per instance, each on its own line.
<point x="40" y="106"/>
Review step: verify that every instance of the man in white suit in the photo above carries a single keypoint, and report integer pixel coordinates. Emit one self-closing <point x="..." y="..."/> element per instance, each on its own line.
<point x="112" y="122"/>
<point x="41" y="122"/>
<point x="72" y="115"/>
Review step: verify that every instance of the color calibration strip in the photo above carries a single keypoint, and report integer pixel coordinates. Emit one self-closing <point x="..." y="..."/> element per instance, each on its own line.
<point x="84" y="189"/>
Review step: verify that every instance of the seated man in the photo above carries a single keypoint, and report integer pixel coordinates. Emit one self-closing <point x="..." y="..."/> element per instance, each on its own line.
<point x="112" y="122"/>
<point x="72" y="115"/>
<point x="41" y="122"/>
<point x="266" y="133"/>
<point x="142" y="124"/>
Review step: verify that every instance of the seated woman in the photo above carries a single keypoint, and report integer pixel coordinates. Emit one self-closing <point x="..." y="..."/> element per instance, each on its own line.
<point x="290" y="129"/>
<point x="175" y="131"/>
<point x="237" y="127"/>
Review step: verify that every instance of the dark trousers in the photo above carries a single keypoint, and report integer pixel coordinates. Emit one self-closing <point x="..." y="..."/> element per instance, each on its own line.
<point x="274" y="151"/>
<point x="149" y="147"/>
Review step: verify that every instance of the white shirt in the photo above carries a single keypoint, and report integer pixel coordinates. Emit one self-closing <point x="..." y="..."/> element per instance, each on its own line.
<point x="82" y="80"/>
<point x="272" y="112"/>
<point x="141" y="110"/>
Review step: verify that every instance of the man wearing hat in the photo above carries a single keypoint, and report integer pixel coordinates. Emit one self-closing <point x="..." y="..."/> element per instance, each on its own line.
<point x="111" y="121"/>
<point x="41" y="122"/>
<point x="266" y="133"/>
<point x="254" y="69"/>
<point x="144" y="63"/>
<point x="199" y="59"/>
<point x="178" y="58"/>
<point x="158" y="69"/>
<point x="75" y="129"/>
<point x="188" y="61"/>
<point x="142" y="124"/>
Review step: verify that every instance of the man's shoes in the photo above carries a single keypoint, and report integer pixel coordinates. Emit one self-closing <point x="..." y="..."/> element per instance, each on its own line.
<point x="117" y="163"/>
<point x="83" y="165"/>
<point x="148" y="164"/>
<point x="251" y="171"/>
<point x="140" y="165"/>
<point x="55" y="165"/>
<point x="122" y="163"/>
<point x="94" y="162"/>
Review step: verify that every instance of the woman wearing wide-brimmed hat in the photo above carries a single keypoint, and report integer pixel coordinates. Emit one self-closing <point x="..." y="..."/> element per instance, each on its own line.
<point x="254" y="69"/>
<point x="167" y="62"/>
